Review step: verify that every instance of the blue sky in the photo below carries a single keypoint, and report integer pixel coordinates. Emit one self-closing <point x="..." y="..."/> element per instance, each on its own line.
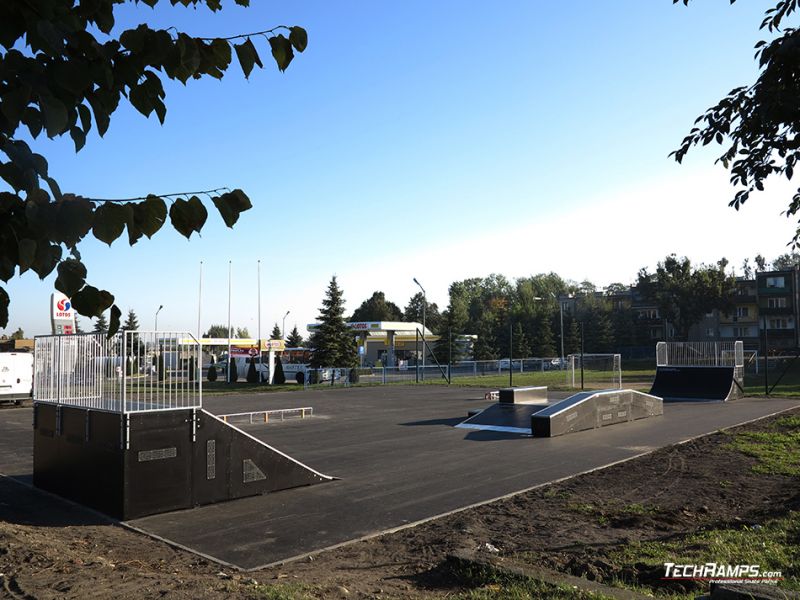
<point x="440" y="140"/>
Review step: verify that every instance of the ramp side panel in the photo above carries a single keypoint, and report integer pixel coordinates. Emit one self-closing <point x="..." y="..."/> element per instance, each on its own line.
<point x="591" y="410"/>
<point x="253" y="467"/>
<point x="695" y="383"/>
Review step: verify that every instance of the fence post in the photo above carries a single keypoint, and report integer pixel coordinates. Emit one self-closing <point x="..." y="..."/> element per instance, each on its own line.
<point x="384" y="375"/>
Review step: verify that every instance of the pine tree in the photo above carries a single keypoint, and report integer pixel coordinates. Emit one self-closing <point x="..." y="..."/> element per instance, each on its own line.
<point x="131" y="323"/>
<point x="572" y="335"/>
<point x="543" y="341"/>
<point x="78" y="328"/>
<point x="101" y="324"/>
<point x="333" y="344"/>
<point x="295" y="340"/>
<point x="485" y="347"/>
<point x="519" y="342"/>
<point x="276" y="333"/>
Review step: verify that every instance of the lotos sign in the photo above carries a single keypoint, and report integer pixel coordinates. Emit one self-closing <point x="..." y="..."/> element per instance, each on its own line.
<point x="62" y="315"/>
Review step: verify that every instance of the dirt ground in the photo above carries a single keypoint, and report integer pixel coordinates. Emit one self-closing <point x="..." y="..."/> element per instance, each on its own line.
<point x="569" y="526"/>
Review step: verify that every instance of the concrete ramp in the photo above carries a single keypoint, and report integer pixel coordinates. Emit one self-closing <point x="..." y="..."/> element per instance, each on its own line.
<point x="504" y="417"/>
<point x="697" y="383"/>
<point x="591" y="410"/>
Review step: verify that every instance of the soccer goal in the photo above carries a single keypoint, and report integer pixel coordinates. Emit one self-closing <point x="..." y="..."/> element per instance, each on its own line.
<point x="597" y="370"/>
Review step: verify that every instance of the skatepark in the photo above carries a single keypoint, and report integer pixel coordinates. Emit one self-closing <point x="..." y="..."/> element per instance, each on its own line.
<point x="391" y="457"/>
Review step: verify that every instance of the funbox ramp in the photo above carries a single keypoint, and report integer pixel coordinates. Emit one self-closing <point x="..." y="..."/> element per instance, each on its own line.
<point x="690" y="383"/>
<point x="136" y="464"/>
<point x="591" y="410"/>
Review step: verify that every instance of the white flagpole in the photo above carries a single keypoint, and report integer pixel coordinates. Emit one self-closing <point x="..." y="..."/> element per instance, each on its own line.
<point x="260" y="364"/>
<point x="199" y="301"/>
<point x="230" y="360"/>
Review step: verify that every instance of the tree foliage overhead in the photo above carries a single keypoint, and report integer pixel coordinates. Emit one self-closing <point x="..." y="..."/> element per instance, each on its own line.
<point x="761" y="122"/>
<point x="63" y="72"/>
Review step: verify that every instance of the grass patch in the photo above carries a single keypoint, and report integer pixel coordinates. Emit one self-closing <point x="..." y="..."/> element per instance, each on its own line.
<point x="222" y="388"/>
<point x="777" y="451"/>
<point x="284" y="591"/>
<point x="774" y="546"/>
<point x="489" y="584"/>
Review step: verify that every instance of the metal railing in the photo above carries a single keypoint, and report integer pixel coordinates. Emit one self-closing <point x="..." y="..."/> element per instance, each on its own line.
<point x="132" y="371"/>
<point x="602" y="370"/>
<point x="268" y="416"/>
<point x="700" y="354"/>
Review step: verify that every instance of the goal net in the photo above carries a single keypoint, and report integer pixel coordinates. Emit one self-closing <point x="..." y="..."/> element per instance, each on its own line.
<point x="599" y="370"/>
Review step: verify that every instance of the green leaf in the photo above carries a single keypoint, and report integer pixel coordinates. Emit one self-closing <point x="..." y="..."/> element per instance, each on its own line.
<point x="298" y="37"/>
<point x="78" y="137"/>
<point x="188" y="216"/>
<point x="247" y="55"/>
<point x="113" y="323"/>
<point x="4" y="302"/>
<point x="47" y="257"/>
<point x="73" y="220"/>
<point x="55" y="115"/>
<point x="86" y="117"/>
<point x="231" y="204"/>
<point x="281" y="51"/>
<point x="73" y="76"/>
<point x="141" y="100"/>
<point x="222" y="53"/>
<point x="109" y="221"/>
<point x="149" y="215"/>
<point x="7" y="268"/>
<point x="14" y="102"/>
<point x="33" y="119"/>
<point x="71" y="276"/>
<point x="27" y="254"/>
<point x="91" y="302"/>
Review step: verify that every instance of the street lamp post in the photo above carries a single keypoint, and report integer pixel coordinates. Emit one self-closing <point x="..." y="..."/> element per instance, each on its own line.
<point x="424" y="303"/>
<point x="158" y="311"/>
<point x="283" y="329"/>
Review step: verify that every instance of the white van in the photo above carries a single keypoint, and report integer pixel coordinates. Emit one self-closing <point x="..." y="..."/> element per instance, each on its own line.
<point x="16" y="376"/>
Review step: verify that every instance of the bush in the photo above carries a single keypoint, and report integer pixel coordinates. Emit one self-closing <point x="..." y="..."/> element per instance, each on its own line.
<point x="233" y="371"/>
<point x="280" y="376"/>
<point x="212" y="373"/>
<point x="352" y="376"/>
<point x="252" y="372"/>
<point x="162" y="371"/>
<point x="192" y="367"/>
<point x="132" y="366"/>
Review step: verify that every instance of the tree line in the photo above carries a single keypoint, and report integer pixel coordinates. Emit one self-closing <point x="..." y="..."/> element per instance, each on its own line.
<point x="529" y="313"/>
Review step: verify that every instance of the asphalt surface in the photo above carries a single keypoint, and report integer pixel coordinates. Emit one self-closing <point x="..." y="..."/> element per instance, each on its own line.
<point x="399" y="459"/>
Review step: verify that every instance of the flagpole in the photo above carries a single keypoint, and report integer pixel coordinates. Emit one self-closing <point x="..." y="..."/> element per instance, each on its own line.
<point x="260" y="363"/>
<point x="230" y="361"/>
<point x="199" y="301"/>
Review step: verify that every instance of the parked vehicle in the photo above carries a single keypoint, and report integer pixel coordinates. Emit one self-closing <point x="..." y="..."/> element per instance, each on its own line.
<point x="16" y="376"/>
